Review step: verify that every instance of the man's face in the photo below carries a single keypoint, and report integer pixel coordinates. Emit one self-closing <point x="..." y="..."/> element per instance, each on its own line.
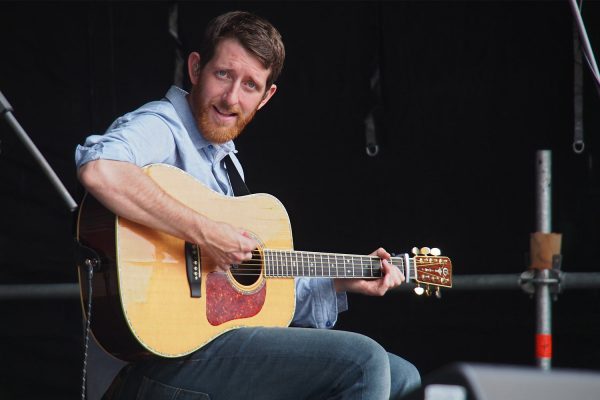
<point x="228" y="91"/>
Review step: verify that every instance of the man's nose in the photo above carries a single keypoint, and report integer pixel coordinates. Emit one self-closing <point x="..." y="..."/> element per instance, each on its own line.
<point x="232" y="94"/>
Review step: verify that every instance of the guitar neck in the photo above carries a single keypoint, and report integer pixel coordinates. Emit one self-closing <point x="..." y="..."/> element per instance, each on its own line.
<point x="291" y="263"/>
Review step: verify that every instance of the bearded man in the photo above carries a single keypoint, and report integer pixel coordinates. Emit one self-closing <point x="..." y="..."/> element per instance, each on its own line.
<point x="232" y="77"/>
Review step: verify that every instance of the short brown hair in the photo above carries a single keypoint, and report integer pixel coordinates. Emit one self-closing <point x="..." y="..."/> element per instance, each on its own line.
<point x="254" y="33"/>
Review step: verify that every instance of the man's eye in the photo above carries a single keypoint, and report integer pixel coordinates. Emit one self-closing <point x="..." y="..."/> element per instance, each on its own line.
<point x="221" y="73"/>
<point x="251" y="84"/>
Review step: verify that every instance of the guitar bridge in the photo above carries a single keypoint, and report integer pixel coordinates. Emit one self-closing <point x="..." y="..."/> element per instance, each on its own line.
<point x="193" y="269"/>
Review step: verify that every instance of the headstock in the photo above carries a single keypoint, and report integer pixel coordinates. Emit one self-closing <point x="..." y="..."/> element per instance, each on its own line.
<point x="431" y="269"/>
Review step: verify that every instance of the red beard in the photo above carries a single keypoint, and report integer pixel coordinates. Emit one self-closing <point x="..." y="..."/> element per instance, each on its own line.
<point x="216" y="133"/>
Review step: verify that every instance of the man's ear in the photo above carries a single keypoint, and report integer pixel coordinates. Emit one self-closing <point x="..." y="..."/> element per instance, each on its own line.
<point x="193" y="67"/>
<point x="268" y="94"/>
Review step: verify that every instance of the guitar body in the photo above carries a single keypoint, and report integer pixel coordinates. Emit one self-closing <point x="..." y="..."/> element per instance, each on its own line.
<point x="142" y="303"/>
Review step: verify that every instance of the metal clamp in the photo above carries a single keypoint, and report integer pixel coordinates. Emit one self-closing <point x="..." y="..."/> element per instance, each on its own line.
<point x="530" y="279"/>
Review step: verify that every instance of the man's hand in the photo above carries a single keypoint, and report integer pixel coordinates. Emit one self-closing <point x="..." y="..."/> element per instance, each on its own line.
<point x="226" y="245"/>
<point x="391" y="278"/>
<point x="128" y="192"/>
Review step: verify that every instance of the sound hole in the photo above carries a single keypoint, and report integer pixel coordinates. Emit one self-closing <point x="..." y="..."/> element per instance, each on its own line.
<point x="248" y="272"/>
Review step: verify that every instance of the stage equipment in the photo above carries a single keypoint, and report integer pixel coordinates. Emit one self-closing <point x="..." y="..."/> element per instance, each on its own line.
<point x="588" y="53"/>
<point x="6" y="111"/>
<point x="545" y="259"/>
<point x="464" y="381"/>
<point x="373" y="119"/>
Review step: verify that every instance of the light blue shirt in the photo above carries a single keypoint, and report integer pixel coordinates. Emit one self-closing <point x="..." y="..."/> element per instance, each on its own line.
<point x="165" y="131"/>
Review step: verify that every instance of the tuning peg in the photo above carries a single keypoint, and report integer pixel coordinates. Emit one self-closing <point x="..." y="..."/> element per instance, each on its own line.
<point x="425" y="250"/>
<point x="428" y="291"/>
<point x="438" y="293"/>
<point x="435" y="251"/>
<point x="418" y="290"/>
<point x="415" y="251"/>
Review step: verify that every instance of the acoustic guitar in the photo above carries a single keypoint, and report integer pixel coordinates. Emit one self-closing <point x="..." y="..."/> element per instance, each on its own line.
<point x="155" y="294"/>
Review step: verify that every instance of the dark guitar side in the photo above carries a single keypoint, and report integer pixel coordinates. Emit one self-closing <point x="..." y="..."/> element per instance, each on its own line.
<point x="96" y="229"/>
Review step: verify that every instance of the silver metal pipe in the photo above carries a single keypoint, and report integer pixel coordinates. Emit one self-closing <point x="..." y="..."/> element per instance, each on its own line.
<point x="39" y="291"/>
<point x="544" y="191"/>
<point x="568" y="281"/>
<point x="543" y="302"/>
<point x="579" y="280"/>
<point x="543" y="320"/>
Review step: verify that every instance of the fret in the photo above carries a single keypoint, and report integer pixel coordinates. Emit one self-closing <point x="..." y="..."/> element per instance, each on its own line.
<point x="266" y="254"/>
<point x="268" y="266"/>
<point x="370" y="269"/>
<point x="333" y="263"/>
<point x="303" y="264"/>
<point x="294" y="257"/>
<point x="285" y="266"/>
<point x="402" y="267"/>
<point x="280" y="263"/>
<point x="336" y="266"/>
<point x="266" y="261"/>
<point x="329" y="265"/>
<point x="311" y="264"/>
<point x="320" y="266"/>
<point x="364" y="272"/>
<point x="284" y="263"/>
<point x="349" y="265"/>
<point x="345" y="265"/>
<point x="290" y="263"/>
<point x="375" y="266"/>
<point x="307" y="264"/>
<point x="400" y="263"/>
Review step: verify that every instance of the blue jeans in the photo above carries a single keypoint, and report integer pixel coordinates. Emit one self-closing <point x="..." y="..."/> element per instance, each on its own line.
<point x="274" y="363"/>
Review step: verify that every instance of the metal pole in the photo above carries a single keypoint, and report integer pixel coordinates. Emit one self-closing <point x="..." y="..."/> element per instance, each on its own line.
<point x="543" y="336"/>
<point x="6" y="112"/>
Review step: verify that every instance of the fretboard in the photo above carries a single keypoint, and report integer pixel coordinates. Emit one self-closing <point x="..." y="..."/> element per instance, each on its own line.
<point x="290" y="263"/>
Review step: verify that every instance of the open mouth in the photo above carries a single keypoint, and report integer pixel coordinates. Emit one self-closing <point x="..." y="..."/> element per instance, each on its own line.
<point x="224" y="117"/>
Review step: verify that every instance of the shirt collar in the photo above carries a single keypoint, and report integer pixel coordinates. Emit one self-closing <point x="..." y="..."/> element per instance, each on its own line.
<point x="177" y="97"/>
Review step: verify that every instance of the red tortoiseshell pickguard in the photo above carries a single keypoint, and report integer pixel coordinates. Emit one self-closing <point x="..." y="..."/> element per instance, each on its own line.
<point x="224" y="303"/>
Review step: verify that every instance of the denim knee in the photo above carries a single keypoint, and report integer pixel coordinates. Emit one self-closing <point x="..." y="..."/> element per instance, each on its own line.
<point x="405" y="377"/>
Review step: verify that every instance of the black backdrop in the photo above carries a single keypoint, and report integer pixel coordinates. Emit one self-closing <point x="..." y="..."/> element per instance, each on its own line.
<point x="470" y="92"/>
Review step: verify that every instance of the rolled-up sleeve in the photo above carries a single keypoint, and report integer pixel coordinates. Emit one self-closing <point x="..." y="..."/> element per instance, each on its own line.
<point x="317" y="303"/>
<point x="142" y="140"/>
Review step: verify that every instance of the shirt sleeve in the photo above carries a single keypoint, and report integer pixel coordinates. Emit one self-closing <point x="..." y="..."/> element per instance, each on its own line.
<point x="317" y="303"/>
<point x="142" y="139"/>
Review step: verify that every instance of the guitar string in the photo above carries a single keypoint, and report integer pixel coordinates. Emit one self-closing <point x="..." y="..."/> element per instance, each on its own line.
<point x="323" y="265"/>
<point x="320" y="264"/>
<point x="283" y="257"/>
<point x="273" y="269"/>
<point x="289" y="272"/>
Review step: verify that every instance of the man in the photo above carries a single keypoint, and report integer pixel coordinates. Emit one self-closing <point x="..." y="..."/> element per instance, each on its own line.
<point x="232" y="77"/>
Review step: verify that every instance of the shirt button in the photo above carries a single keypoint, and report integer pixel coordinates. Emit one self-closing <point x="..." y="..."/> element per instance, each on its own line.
<point x="328" y="324"/>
